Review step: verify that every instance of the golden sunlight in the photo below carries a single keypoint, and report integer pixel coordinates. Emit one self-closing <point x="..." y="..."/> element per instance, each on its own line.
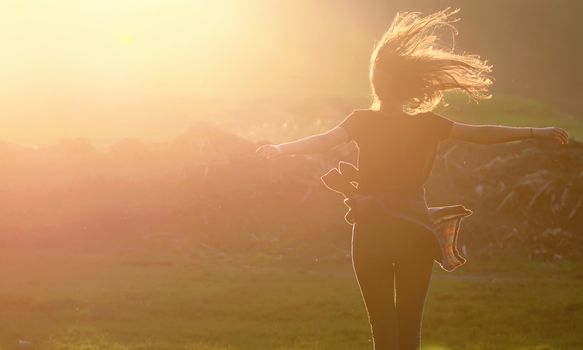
<point x="245" y="174"/>
<point x="89" y="68"/>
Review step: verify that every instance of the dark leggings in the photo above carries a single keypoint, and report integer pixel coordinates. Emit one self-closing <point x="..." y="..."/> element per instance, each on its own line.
<point x="393" y="263"/>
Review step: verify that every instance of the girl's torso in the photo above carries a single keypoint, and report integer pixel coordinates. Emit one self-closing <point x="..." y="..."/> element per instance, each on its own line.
<point x="396" y="151"/>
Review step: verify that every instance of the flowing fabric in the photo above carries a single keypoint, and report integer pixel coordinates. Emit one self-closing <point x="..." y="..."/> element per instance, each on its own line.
<point x="443" y="222"/>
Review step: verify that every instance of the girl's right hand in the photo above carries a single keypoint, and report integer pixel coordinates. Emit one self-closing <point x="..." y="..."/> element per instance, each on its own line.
<point x="551" y="133"/>
<point x="269" y="151"/>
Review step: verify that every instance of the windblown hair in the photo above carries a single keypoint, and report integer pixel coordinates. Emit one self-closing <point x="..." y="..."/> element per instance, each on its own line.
<point x="411" y="69"/>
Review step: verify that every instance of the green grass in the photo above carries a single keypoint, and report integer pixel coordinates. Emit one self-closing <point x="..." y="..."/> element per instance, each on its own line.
<point x="512" y="111"/>
<point x="141" y="300"/>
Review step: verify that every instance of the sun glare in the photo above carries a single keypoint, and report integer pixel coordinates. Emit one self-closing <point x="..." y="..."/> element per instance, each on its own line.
<point x="69" y="63"/>
<point x="77" y="68"/>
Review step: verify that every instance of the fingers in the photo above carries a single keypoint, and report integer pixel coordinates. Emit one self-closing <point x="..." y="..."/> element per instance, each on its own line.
<point x="556" y="134"/>
<point x="565" y="135"/>
<point x="560" y="135"/>
<point x="260" y="150"/>
<point x="263" y="151"/>
<point x="268" y="151"/>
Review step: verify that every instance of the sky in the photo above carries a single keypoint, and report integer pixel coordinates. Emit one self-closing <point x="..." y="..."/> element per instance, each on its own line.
<point x="71" y="66"/>
<point x="108" y="69"/>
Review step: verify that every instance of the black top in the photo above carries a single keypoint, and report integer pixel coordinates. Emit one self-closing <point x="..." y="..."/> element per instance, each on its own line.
<point x="397" y="151"/>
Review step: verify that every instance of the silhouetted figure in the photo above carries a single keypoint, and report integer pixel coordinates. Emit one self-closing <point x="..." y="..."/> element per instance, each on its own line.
<point x="395" y="236"/>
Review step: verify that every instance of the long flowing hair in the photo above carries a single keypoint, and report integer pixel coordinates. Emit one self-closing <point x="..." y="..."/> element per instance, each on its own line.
<point x="411" y="67"/>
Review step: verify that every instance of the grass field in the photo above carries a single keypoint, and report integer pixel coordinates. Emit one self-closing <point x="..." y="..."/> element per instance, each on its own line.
<point x="141" y="300"/>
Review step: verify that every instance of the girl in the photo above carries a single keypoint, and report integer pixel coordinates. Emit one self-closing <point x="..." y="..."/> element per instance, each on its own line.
<point x="397" y="137"/>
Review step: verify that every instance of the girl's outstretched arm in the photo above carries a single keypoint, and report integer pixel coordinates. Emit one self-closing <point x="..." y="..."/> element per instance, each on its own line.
<point x="311" y="144"/>
<point x="487" y="134"/>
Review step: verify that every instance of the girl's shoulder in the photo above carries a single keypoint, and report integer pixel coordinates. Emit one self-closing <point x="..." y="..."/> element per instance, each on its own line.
<point x="367" y="115"/>
<point x="363" y="112"/>
<point x="358" y="116"/>
<point x="358" y="123"/>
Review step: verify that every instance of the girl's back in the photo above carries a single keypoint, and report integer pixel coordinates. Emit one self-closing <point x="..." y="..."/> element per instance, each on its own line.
<point x="396" y="150"/>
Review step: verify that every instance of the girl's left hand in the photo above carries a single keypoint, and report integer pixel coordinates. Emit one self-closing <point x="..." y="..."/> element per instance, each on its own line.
<point x="554" y="133"/>
<point x="269" y="151"/>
